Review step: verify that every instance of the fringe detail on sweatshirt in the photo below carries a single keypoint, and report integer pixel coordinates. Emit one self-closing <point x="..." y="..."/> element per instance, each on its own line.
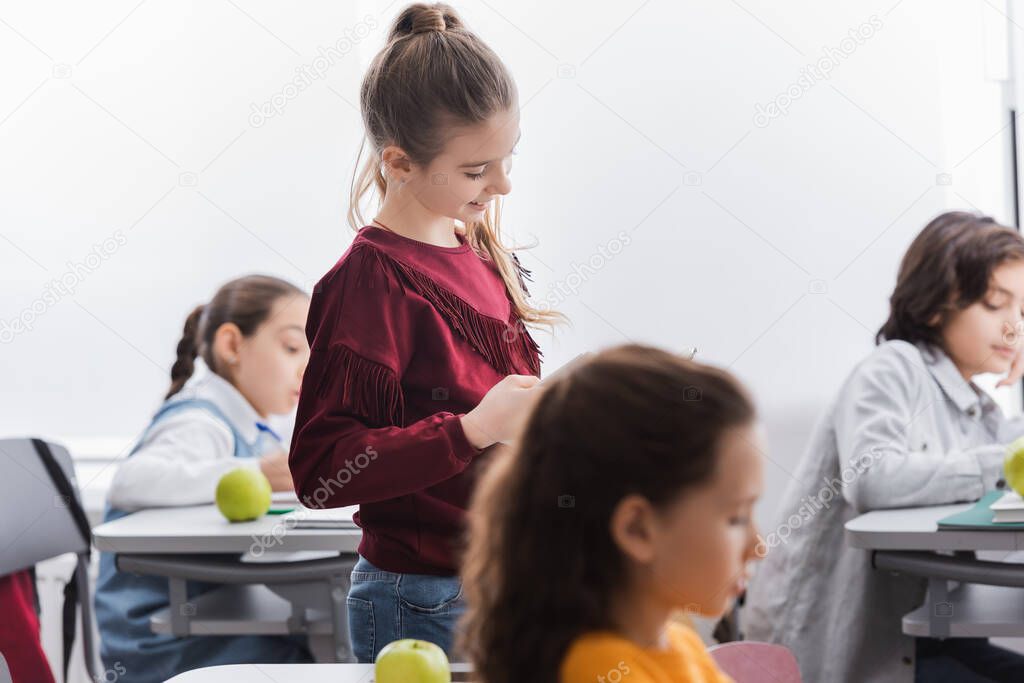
<point x="522" y="273"/>
<point x="501" y="343"/>
<point x="369" y="389"/>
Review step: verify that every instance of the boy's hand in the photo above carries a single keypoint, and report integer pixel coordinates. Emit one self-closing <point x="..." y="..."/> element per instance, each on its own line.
<point x="1016" y="370"/>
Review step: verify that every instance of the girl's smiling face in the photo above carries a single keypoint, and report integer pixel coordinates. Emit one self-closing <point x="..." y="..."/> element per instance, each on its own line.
<point x="472" y="169"/>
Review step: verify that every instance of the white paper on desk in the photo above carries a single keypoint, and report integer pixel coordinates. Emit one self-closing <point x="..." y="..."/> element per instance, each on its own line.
<point x="287" y="556"/>
<point x="1010" y="500"/>
<point x="284" y="497"/>
<point x="330" y="518"/>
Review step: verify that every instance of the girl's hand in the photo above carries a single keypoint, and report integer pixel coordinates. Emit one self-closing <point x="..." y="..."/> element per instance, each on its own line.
<point x="275" y="467"/>
<point x="502" y="412"/>
<point x="1016" y="370"/>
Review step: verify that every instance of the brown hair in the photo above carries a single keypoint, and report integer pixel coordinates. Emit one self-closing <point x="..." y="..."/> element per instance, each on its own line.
<point x="246" y="302"/>
<point x="947" y="268"/>
<point x="434" y="73"/>
<point x="541" y="565"/>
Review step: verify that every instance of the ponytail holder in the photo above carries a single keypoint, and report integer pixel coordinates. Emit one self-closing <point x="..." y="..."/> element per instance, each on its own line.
<point x="438" y="24"/>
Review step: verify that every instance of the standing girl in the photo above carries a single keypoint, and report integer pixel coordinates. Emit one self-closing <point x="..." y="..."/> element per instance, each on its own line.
<point x="420" y="361"/>
<point x="248" y="347"/>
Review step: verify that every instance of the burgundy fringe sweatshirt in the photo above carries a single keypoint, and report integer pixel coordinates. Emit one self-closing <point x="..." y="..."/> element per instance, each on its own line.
<point x="405" y="338"/>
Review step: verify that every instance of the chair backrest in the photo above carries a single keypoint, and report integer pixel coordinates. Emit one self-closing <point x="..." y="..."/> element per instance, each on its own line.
<point x="35" y="520"/>
<point x="752" y="662"/>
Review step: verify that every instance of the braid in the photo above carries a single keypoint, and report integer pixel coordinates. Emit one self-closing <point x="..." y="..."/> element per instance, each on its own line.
<point x="188" y="346"/>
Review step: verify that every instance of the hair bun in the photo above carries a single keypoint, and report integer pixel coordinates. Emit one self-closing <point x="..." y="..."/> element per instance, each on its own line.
<point x="423" y="18"/>
<point x="430" y="20"/>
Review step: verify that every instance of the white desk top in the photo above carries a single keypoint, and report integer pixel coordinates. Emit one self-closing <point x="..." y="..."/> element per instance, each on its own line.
<point x="917" y="529"/>
<point x="202" y="529"/>
<point x="287" y="673"/>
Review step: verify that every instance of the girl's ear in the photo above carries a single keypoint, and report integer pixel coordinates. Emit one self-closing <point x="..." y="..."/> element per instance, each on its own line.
<point x="227" y="345"/>
<point x="397" y="165"/>
<point x="632" y="528"/>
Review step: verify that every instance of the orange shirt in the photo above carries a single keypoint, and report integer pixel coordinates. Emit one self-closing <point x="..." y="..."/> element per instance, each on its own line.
<point x="604" y="657"/>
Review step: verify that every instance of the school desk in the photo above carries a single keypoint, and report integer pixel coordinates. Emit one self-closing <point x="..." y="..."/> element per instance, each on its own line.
<point x="967" y="596"/>
<point x="274" y="583"/>
<point x="294" y="673"/>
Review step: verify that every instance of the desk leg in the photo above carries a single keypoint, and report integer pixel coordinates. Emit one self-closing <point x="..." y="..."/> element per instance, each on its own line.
<point x="180" y="610"/>
<point x="89" y="649"/>
<point x="297" y="622"/>
<point x="940" y="610"/>
<point x="339" y="617"/>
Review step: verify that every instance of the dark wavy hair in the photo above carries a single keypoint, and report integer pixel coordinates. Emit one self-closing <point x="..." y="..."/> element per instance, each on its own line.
<point x="947" y="268"/>
<point x="541" y="565"/>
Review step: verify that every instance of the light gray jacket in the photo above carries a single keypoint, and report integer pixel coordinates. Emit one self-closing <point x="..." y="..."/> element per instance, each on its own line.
<point x="905" y="430"/>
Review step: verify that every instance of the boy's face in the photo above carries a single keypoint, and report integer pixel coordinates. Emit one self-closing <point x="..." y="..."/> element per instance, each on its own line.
<point x="986" y="336"/>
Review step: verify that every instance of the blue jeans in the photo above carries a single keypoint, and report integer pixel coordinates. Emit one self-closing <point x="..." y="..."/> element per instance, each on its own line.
<point x="387" y="606"/>
<point x="966" y="660"/>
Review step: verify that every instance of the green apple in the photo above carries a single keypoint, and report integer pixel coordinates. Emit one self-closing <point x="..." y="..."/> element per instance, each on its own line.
<point x="243" y="494"/>
<point x="412" y="661"/>
<point x="1013" y="466"/>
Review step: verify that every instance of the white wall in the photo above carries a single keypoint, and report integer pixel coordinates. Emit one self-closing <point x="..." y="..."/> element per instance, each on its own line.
<point x="771" y="248"/>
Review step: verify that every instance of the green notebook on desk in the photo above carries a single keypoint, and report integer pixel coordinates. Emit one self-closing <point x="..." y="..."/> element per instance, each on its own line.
<point x="979" y="516"/>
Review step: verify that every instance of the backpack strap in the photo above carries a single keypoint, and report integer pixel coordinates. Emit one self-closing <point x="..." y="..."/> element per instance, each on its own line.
<point x="66" y="490"/>
<point x="67" y="493"/>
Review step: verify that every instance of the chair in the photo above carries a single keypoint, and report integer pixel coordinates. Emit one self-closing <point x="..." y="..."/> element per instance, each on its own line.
<point x="41" y="513"/>
<point x="752" y="662"/>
